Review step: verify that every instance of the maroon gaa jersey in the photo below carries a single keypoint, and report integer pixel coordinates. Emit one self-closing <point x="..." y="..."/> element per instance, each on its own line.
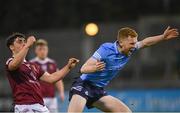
<point x="47" y="65"/>
<point x="24" y="83"/>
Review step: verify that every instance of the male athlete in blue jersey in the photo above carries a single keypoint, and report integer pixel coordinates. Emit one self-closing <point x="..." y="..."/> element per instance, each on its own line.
<point x="103" y="66"/>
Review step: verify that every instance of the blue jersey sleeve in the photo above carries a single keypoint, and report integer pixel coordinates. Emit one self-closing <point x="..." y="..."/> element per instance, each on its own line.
<point x="100" y="53"/>
<point x="138" y="45"/>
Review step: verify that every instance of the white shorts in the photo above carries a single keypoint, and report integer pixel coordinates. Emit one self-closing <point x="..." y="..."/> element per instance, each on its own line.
<point x="32" y="108"/>
<point x="51" y="104"/>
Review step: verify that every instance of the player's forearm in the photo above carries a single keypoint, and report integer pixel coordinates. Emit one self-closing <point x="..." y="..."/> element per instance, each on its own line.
<point x="88" y="69"/>
<point x="59" y="75"/>
<point x="18" y="58"/>
<point x="152" y="40"/>
<point x="60" y="86"/>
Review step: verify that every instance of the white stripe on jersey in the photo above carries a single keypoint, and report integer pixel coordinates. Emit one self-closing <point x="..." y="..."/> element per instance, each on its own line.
<point x="97" y="55"/>
<point x="8" y="61"/>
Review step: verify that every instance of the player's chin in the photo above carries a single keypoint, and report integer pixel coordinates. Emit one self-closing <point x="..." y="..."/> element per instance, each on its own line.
<point x="19" y="48"/>
<point x="22" y="46"/>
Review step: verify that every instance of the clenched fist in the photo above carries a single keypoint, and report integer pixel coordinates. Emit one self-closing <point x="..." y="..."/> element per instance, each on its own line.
<point x="72" y="62"/>
<point x="30" y="41"/>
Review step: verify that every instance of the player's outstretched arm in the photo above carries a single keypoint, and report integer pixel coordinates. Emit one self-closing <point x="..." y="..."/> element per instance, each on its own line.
<point x="19" y="57"/>
<point x="92" y="65"/>
<point x="167" y="35"/>
<point x="58" y="75"/>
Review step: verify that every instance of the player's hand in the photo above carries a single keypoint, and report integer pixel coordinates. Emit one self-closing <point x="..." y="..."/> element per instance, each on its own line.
<point x="170" y="33"/>
<point x="100" y="66"/>
<point x="62" y="97"/>
<point x="30" y="41"/>
<point x="72" y="62"/>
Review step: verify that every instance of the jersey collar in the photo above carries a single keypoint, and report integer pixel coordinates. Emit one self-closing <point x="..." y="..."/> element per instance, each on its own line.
<point x="42" y="61"/>
<point x="116" y="45"/>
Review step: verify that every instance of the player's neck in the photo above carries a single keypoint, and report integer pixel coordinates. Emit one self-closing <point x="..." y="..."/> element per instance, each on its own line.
<point x="122" y="50"/>
<point x="40" y="58"/>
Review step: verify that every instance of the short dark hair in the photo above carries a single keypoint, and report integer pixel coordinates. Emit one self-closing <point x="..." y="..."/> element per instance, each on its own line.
<point x="10" y="40"/>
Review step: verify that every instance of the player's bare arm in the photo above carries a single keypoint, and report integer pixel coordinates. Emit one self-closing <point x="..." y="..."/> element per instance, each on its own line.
<point x="60" y="87"/>
<point x="59" y="75"/>
<point x="20" y="56"/>
<point x="92" y="65"/>
<point x="167" y="35"/>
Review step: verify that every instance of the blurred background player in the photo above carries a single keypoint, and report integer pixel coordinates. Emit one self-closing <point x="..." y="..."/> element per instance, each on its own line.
<point x="49" y="65"/>
<point x="24" y="76"/>
<point x="103" y="66"/>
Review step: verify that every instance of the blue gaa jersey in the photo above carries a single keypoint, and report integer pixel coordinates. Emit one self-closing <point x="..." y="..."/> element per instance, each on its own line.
<point x="115" y="61"/>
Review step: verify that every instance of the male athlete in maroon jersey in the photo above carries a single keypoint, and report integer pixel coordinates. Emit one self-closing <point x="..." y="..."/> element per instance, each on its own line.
<point x="24" y="76"/>
<point x="49" y="65"/>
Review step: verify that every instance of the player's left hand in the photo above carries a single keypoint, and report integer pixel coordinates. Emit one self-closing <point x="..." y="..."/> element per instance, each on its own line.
<point x="170" y="33"/>
<point x="72" y="62"/>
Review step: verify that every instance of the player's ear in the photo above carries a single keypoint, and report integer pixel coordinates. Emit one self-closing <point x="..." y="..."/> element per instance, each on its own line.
<point x="11" y="47"/>
<point x="120" y="42"/>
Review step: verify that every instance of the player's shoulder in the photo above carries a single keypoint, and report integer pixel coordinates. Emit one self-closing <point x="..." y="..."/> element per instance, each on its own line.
<point x="50" y="60"/>
<point x="107" y="45"/>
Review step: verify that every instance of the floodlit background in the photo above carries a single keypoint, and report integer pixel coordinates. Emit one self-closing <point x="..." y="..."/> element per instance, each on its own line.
<point x="149" y="82"/>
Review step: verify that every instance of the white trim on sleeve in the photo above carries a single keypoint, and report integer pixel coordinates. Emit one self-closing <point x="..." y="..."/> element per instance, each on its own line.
<point x="97" y="55"/>
<point x="138" y="45"/>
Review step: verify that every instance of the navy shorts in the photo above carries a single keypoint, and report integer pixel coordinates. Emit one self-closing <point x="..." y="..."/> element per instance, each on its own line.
<point x="88" y="91"/>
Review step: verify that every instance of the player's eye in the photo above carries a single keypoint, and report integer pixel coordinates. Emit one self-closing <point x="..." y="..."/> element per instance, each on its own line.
<point x="21" y="41"/>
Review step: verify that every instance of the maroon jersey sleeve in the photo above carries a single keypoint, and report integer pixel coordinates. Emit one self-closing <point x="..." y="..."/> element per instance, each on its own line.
<point x="7" y="62"/>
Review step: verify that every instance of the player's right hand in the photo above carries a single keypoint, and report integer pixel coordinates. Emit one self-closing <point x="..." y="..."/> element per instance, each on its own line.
<point x="72" y="62"/>
<point x="30" y="41"/>
<point x="100" y="66"/>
